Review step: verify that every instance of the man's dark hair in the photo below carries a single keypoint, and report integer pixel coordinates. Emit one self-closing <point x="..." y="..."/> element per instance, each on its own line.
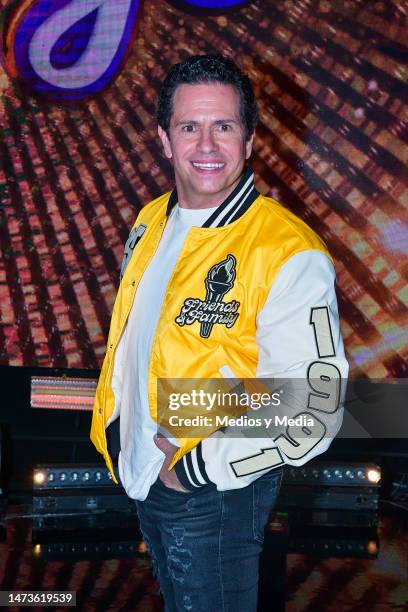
<point x="199" y="69"/>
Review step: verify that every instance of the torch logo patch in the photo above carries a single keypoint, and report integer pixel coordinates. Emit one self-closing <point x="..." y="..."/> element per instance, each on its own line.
<point x="213" y="311"/>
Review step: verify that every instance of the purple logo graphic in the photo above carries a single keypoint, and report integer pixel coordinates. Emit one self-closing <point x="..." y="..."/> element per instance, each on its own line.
<point x="71" y="49"/>
<point x="218" y="6"/>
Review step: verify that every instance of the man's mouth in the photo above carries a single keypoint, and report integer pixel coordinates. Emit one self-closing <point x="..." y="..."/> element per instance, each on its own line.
<point x="208" y="165"/>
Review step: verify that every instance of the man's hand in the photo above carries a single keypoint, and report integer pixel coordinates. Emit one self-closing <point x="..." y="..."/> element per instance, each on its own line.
<point x="168" y="478"/>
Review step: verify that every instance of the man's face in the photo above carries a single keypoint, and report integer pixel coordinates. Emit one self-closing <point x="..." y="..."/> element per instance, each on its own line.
<point x="207" y="143"/>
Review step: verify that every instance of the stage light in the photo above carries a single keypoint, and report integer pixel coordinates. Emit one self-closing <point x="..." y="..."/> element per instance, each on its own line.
<point x="39" y="477"/>
<point x="334" y="473"/>
<point x="332" y="493"/>
<point x="372" y="547"/>
<point x="332" y="545"/>
<point x="87" y="550"/>
<point x="37" y="550"/>
<point x="374" y="476"/>
<point x="72" y="475"/>
<point x="142" y="549"/>
<point x="77" y="488"/>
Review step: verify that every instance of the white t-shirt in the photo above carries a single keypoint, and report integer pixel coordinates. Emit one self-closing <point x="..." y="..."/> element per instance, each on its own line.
<point x="140" y="460"/>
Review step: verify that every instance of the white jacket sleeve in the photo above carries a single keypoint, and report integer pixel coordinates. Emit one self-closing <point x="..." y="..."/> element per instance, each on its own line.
<point x="301" y="349"/>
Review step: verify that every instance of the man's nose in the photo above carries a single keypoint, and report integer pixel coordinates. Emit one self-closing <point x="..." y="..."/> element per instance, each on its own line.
<point x="207" y="142"/>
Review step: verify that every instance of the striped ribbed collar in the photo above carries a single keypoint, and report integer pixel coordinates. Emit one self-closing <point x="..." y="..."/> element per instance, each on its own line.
<point x="233" y="206"/>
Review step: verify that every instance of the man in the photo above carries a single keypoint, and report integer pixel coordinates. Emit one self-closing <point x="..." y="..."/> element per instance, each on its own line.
<point x="217" y="280"/>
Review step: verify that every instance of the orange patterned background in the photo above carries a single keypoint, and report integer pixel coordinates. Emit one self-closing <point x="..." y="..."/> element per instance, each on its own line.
<point x="331" y="82"/>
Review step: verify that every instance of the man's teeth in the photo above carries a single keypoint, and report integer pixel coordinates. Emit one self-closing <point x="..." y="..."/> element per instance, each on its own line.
<point x="207" y="166"/>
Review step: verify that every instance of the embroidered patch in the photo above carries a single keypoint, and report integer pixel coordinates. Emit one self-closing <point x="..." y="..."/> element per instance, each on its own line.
<point x="134" y="237"/>
<point x="213" y="311"/>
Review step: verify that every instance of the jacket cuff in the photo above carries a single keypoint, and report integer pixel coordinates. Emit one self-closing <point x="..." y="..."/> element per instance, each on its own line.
<point x="190" y="470"/>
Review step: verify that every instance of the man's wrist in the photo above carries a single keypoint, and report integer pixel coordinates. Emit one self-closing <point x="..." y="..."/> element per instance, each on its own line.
<point x="190" y="470"/>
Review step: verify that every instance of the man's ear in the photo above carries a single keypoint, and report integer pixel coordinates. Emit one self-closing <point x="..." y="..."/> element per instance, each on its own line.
<point x="248" y="146"/>
<point x="165" y="142"/>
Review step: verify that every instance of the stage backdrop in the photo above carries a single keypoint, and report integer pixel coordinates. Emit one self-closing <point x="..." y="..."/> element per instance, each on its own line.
<point x="331" y="79"/>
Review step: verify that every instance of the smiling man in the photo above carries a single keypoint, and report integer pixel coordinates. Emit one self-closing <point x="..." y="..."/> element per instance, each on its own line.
<point x="216" y="281"/>
<point x="208" y="143"/>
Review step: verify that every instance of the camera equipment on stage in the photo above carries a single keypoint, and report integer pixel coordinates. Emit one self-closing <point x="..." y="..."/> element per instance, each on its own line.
<point x="66" y="524"/>
<point x="87" y="550"/>
<point x="284" y="534"/>
<point x="71" y="488"/>
<point x="79" y="512"/>
<point x="331" y="493"/>
<point x="333" y="518"/>
<point x="330" y="473"/>
<point x="329" y="543"/>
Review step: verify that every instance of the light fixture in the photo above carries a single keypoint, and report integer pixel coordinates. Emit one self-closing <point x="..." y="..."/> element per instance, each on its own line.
<point x="39" y="477"/>
<point x="67" y="476"/>
<point x="374" y="475"/>
<point x="372" y="547"/>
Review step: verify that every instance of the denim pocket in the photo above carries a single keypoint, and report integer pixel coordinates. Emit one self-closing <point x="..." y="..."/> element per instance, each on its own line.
<point x="265" y="493"/>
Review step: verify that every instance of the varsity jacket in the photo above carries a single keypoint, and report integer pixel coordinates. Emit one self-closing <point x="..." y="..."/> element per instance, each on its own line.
<point x="216" y="308"/>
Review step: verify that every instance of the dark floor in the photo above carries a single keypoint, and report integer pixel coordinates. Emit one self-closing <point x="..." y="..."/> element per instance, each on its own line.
<point x="302" y="570"/>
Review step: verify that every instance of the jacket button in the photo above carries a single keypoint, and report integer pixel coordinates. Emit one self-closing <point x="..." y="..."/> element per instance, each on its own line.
<point x="111" y="346"/>
<point x="133" y="283"/>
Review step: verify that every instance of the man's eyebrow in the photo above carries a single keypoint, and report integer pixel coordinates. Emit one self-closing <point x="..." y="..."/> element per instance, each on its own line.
<point x="186" y="122"/>
<point x="217" y="122"/>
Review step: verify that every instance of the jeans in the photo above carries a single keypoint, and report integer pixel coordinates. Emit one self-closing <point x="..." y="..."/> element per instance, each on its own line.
<point x="205" y="546"/>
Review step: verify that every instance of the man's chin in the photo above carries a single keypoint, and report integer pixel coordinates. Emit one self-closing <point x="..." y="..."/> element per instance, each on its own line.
<point x="211" y="184"/>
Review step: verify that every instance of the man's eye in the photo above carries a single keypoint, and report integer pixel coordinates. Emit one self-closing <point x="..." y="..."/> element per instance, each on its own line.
<point x="224" y="127"/>
<point x="188" y="128"/>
